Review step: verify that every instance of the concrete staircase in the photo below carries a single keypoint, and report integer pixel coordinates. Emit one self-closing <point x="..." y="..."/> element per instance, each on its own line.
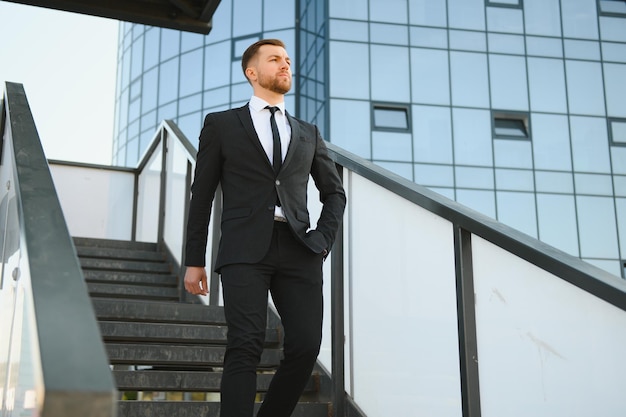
<point x="166" y="355"/>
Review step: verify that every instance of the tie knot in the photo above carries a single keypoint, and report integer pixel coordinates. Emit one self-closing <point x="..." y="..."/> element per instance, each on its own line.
<point x="272" y="109"/>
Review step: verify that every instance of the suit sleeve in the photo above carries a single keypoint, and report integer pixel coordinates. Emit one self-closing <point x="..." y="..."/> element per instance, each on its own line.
<point x="331" y="192"/>
<point x="206" y="179"/>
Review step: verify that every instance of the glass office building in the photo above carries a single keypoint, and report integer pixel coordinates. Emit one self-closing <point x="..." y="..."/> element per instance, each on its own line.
<point x="515" y="108"/>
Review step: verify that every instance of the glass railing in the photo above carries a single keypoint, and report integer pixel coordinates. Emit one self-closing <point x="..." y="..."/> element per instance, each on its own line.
<point x="431" y="308"/>
<point x="52" y="359"/>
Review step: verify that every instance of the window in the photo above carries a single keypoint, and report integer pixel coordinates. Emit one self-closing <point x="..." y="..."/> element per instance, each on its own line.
<point x="510" y="125"/>
<point x="241" y="44"/>
<point x="617" y="131"/>
<point x="612" y="7"/>
<point x="391" y="117"/>
<point x="516" y="4"/>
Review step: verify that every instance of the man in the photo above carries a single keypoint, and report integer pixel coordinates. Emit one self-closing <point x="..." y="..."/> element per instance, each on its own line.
<point x="266" y="243"/>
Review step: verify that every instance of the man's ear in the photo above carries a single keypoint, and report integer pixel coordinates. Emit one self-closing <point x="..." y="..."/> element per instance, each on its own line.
<point x="251" y="73"/>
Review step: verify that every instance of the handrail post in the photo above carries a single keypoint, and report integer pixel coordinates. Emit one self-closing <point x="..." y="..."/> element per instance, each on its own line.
<point x="337" y="322"/>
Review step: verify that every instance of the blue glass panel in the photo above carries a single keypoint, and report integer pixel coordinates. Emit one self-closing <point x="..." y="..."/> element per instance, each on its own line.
<point x="590" y="144"/>
<point x="430" y="80"/>
<point x="514" y="179"/>
<point x="612" y="29"/>
<point x="471" y="177"/>
<point x="598" y="227"/>
<point x="168" y="81"/>
<point x="577" y="49"/>
<point x="472" y="137"/>
<point x="470" y="85"/>
<point x="434" y="175"/>
<point x="389" y="69"/>
<point x="619" y="184"/>
<point x="500" y="19"/>
<point x="167" y="111"/>
<point x="190" y="104"/>
<point x="344" y="80"/>
<point x="585" y="88"/>
<point x="132" y="152"/>
<point x="547" y="85"/>
<point x="151" y="55"/>
<point x="557" y="222"/>
<point x="170" y="43"/>
<point x="191" y="41"/>
<point x="348" y="9"/>
<point x="507" y="44"/>
<point x="554" y="182"/>
<point x="428" y="12"/>
<point x="190" y="73"/>
<point x="446" y="192"/>
<point x="350" y="126"/>
<point x="217" y="97"/>
<point x="432" y="134"/>
<point x="393" y="11"/>
<point x="248" y="19"/>
<point x="136" y="65"/>
<point x="579" y="19"/>
<point x="392" y="146"/>
<point x="150" y="89"/>
<point x="349" y="31"/>
<point x="615" y="87"/>
<point x="390" y="34"/>
<point x="481" y="201"/>
<point x="149" y="122"/>
<point x="190" y="125"/>
<point x="618" y="159"/>
<point x="542" y="17"/>
<point x="544" y="47"/>
<point x="593" y="184"/>
<point x="518" y="211"/>
<point x="508" y="82"/>
<point x="620" y="204"/>
<point x="222" y="31"/>
<point x="217" y="63"/>
<point x="468" y="41"/>
<point x="551" y="142"/>
<point x="615" y="52"/>
<point x="432" y="38"/>
<point x="466" y="14"/>
<point x="278" y="14"/>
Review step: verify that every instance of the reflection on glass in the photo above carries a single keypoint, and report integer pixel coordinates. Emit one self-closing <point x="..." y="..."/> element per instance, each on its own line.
<point x="590" y="144"/>
<point x="615" y="87"/>
<point x="430" y="82"/>
<point x="585" y="88"/>
<point x="557" y="221"/>
<point x="542" y="17"/>
<point x="518" y="211"/>
<point x="392" y="146"/>
<point x="470" y="86"/>
<point x="618" y="131"/>
<point x="597" y="225"/>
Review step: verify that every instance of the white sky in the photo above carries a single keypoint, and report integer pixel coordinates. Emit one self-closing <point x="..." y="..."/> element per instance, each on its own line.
<point x="67" y="64"/>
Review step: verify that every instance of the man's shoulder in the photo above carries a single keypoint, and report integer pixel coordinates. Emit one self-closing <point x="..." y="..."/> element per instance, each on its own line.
<point x="227" y="113"/>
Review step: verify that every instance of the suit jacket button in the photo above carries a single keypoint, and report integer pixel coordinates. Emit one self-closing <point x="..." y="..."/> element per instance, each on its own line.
<point x="277" y="182"/>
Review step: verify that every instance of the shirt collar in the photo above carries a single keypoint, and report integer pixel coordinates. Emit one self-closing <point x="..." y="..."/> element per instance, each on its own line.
<point x="258" y="104"/>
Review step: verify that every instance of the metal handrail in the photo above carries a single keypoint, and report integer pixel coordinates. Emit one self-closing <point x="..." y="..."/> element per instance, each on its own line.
<point x="71" y="368"/>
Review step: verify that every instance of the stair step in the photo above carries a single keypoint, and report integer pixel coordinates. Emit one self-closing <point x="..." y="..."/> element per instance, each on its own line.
<point x="151" y="311"/>
<point x="205" y="409"/>
<point x="115" y="244"/>
<point x="115" y="253"/>
<point x="132" y="291"/>
<point x="171" y="333"/>
<point x="138" y="278"/>
<point x="186" y="381"/>
<point x="178" y="355"/>
<point x="123" y="265"/>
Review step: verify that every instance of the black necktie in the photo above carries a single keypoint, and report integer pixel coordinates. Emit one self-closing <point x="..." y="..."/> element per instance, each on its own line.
<point x="277" y="160"/>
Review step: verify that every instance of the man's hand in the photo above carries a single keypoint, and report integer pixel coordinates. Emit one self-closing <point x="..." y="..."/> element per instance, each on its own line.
<point x="196" y="280"/>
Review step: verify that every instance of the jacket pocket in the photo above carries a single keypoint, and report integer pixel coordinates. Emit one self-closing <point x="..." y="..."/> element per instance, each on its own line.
<point x="236" y="213"/>
<point x="303" y="216"/>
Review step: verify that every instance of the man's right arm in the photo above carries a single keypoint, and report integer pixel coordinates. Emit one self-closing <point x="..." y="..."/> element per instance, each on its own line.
<point x="207" y="175"/>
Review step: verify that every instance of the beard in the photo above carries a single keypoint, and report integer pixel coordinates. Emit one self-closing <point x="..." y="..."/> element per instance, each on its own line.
<point x="275" y="84"/>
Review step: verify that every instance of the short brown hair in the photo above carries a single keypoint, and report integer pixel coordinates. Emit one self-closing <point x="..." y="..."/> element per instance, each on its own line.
<point x="254" y="48"/>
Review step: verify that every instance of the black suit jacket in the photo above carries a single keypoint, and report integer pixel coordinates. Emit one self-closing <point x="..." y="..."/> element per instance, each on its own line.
<point x="231" y="154"/>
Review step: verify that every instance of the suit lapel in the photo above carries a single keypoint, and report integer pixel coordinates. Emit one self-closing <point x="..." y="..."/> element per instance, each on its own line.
<point x="246" y="120"/>
<point x="295" y="139"/>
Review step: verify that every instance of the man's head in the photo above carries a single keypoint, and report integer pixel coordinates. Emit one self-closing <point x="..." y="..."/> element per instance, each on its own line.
<point x="266" y="65"/>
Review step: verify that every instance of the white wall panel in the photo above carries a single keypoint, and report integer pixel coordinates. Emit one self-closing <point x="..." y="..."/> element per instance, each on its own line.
<point x="545" y="347"/>
<point x="405" y="358"/>
<point x="96" y="203"/>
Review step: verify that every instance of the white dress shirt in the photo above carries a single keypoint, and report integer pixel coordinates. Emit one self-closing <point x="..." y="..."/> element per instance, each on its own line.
<point x="261" y="120"/>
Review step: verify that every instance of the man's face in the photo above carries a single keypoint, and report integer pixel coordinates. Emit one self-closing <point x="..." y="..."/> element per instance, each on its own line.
<point x="273" y="69"/>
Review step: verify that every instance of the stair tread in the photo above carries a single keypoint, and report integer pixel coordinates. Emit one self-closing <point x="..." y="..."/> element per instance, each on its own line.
<point x="114" y="243"/>
<point x="153" y="311"/>
<point x="124" y="265"/>
<point x="185" y="355"/>
<point x="132" y="291"/>
<point x="143" y="278"/>
<point x="188" y="381"/>
<point x="121" y="253"/>
<point x="206" y="409"/>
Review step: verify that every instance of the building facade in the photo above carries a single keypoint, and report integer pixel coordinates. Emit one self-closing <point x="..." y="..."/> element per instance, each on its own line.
<point x="515" y="108"/>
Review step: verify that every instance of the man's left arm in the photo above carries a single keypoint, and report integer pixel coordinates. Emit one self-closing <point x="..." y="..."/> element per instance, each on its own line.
<point x="332" y="194"/>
